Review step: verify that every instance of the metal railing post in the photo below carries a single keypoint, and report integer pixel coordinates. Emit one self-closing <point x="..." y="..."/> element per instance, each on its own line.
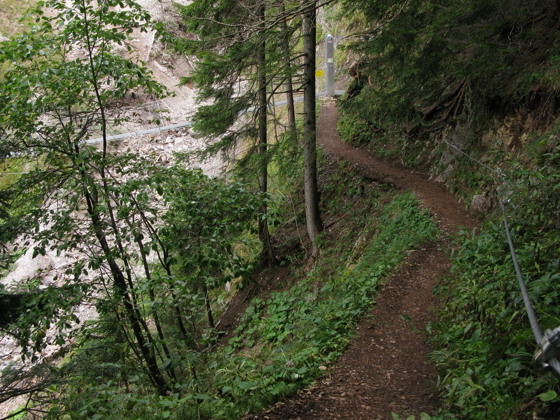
<point x="329" y="60"/>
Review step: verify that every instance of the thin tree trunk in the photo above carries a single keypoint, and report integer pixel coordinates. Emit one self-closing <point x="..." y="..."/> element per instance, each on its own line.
<point x="121" y="289"/>
<point x="159" y="329"/>
<point x="312" y="214"/>
<point x="289" y="84"/>
<point x="208" y="306"/>
<point x="263" y="135"/>
<point x="164" y="260"/>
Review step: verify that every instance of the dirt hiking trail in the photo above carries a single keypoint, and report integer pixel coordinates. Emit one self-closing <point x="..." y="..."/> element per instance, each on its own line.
<point x="385" y="368"/>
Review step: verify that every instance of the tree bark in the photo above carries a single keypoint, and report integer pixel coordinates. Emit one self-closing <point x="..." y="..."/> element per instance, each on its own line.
<point x="208" y="306"/>
<point x="121" y="289"/>
<point x="157" y="322"/>
<point x="289" y="84"/>
<point x="312" y="214"/>
<point x="263" y="138"/>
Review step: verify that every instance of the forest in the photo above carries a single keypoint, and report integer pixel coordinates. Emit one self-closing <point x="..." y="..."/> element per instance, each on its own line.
<point x="173" y="293"/>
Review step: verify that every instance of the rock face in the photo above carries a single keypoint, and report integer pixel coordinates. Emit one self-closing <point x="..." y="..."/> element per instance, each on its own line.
<point x="482" y="203"/>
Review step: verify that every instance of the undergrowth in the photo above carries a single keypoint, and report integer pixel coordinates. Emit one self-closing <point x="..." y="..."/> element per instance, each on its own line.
<point x="485" y="341"/>
<point x="286" y="341"/>
<point x="283" y="342"/>
<point x="360" y="132"/>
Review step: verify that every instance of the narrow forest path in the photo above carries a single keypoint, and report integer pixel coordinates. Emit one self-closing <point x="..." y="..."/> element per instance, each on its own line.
<point x="385" y="368"/>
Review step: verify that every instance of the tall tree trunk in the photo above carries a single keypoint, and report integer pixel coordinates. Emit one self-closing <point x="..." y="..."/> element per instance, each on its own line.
<point x="263" y="134"/>
<point x="312" y="214"/>
<point x="289" y="84"/>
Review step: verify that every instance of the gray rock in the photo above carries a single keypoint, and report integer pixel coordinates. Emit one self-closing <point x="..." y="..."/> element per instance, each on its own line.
<point x="482" y="203"/>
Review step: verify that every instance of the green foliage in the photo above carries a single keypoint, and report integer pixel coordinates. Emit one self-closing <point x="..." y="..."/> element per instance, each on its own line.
<point x="282" y="342"/>
<point x="354" y="130"/>
<point x="83" y="199"/>
<point x="50" y="103"/>
<point x="227" y="46"/>
<point x="361" y="132"/>
<point x="425" y="64"/>
<point x="205" y="222"/>
<point x="486" y="344"/>
<point x="7" y="259"/>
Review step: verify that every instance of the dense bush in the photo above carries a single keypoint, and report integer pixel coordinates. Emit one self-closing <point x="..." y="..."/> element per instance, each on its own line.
<point x="427" y="63"/>
<point x="486" y="341"/>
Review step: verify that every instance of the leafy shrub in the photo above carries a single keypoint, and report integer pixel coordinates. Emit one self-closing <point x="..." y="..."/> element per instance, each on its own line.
<point x="486" y="344"/>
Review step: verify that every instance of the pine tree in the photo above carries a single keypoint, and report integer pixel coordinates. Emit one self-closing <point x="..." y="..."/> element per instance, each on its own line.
<point x="313" y="217"/>
<point x="237" y="68"/>
<point x="426" y="65"/>
<point x="246" y="56"/>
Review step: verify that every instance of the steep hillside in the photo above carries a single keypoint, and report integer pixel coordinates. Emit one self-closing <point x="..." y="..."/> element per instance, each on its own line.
<point x="404" y="305"/>
<point x="469" y="94"/>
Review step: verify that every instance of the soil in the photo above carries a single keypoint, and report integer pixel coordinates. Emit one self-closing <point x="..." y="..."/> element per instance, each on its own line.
<point x="386" y="368"/>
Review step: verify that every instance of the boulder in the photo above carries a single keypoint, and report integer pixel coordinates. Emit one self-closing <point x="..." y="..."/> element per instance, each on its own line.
<point x="482" y="203"/>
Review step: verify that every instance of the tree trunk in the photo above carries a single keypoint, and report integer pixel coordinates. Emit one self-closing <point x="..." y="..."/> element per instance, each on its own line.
<point x="208" y="306"/>
<point x="157" y="322"/>
<point x="289" y="84"/>
<point x="263" y="135"/>
<point x="121" y="289"/>
<point x="312" y="214"/>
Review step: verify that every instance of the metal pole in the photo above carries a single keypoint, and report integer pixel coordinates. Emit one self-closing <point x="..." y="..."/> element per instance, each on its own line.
<point x="329" y="60"/>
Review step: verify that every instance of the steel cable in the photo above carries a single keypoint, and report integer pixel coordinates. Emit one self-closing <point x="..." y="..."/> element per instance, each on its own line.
<point x="544" y="358"/>
<point x="530" y="312"/>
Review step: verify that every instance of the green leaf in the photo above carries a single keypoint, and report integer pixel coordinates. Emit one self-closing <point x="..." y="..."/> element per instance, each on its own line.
<point x="130" y="404"/>
<point x="246" y="384"/>
<point x="548" y="396"/>
<point x="475" y="336"/>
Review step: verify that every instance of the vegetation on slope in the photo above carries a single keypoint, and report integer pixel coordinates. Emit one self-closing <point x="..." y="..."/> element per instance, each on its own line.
<point x="482" y="76"/>
<point x="486" y="343"/>
<point x="283" y="339"/>
<point x="427" y="64"/>
<point x="430" y="70"/>
<point x="156" y="246"/>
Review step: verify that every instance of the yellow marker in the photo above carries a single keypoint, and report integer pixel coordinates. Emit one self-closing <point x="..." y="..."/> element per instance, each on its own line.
<point x="319" y="73"/>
